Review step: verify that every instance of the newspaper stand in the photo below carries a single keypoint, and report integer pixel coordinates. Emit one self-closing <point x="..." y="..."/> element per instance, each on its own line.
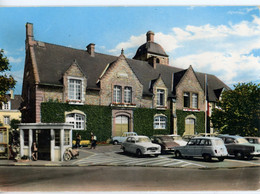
<point x="4" y="141"/>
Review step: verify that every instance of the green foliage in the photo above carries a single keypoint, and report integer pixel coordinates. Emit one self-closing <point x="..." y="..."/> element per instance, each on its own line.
<point x="6" y="82"/>
<point x="98" y="118"/>
<point x="14" y="123"/>
<point x="240" y="111"/>
<point x="144" y="119"/>
<point x="199" y="124"/>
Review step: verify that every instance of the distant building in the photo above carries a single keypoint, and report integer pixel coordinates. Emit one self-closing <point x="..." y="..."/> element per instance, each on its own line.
<point x="85" y="77"/>
<point x="10" y="109"/>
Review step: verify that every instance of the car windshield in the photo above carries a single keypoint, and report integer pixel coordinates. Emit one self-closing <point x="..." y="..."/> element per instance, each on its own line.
<point x="143" y="139"/>
<point x="177" y="137"/>
<point x="241" y="140"/>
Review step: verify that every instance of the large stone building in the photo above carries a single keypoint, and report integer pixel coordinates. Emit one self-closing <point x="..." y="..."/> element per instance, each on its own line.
<point x="144" y="94"/>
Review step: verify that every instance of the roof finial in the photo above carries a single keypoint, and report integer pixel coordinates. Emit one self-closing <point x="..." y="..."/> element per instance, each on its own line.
<point x="122" y="51"/>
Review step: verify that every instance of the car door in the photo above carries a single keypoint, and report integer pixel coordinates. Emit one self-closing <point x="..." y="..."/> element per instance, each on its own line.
<point x="127" y="144"/>
<point x="189" y="148"/>
<point x="198" y="147"/>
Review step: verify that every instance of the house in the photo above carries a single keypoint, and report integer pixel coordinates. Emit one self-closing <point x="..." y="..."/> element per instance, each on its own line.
<point x="10" y="109"/>
<point x="109" y="95"/>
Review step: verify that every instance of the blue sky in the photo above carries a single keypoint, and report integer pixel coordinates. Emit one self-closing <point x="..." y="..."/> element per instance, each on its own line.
<point x="219" y="40"/>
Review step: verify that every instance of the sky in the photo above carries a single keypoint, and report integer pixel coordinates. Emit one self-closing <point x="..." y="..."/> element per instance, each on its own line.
<point x="219" y="40"/>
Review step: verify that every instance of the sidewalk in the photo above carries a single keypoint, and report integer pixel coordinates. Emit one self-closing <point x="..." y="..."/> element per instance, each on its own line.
<point x="83" y="153"/>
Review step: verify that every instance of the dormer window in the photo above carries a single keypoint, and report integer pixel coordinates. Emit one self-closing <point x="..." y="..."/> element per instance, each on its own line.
<point x="128" y="95"/>
<point x="75" y="92"/>
<point x="6" y="106"/>
<point x="117" y="96"/>
<point x="160" y="97"/>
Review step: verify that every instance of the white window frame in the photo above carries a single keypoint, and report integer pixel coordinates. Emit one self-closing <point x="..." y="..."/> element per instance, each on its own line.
<point x="6" y="106"/>
<point x="78" y="120"/>
<point x="128" y="94"/>
<point x="117" y="94"/>
<point x="7" y="120"/>
<point x="194" y="100"/>
<point x="160" y="97"/>
<point x="160" y="122"/>
<point x="66" y="137"/>
<point x="73" y="97"/>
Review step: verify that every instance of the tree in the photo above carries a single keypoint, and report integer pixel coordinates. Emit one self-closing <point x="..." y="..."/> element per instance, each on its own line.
<point x="238" y="110"/>
<point x="6" y="82"/>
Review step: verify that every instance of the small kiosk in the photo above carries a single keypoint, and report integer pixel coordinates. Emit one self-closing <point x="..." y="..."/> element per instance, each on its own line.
<point x="4" y="143"/>
<point x="52" y="139"/>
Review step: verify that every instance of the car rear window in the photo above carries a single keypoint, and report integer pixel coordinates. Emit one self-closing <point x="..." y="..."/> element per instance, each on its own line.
<point x="143" y="139"/>
<point x="218" y="142"/>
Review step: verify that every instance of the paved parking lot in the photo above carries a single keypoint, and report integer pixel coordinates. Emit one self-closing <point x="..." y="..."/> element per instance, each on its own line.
<point x="113" y="155"/>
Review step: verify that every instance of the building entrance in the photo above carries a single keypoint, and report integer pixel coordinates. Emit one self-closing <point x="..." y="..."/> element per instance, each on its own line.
<point x="189" y="126"/>
<point x="44" y="142"/>
<point x="121" y="125"/>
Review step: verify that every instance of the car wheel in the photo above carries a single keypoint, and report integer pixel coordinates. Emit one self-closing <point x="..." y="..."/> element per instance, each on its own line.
<point x="156" y="155"/>
<point x="139" y="153"/>
<point x="221" y="159"/>
<point x="249" y="157"/>
<point x="207" y="157"/>
<point x="178" y="154"/>
<point x="124" y="149"/>
<point x="239" y="155"/>
<point x="115" y="142"/>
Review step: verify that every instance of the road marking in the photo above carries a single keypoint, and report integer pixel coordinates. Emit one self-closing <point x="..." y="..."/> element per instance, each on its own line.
<point x="244" y="162"/>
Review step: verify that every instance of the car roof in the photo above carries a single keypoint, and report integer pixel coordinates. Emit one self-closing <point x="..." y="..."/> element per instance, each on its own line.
<point x="205" y="138"/>
<point x="232" y="136"/>
<point x="137" y="136"/>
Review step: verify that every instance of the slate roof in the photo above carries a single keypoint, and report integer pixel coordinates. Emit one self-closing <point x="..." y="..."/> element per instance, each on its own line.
<point x="54" y="60"/>
<point x="150" y="47"/>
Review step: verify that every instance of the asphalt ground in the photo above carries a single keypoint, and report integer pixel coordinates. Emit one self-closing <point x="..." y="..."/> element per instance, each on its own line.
<point x="112" y="155"/>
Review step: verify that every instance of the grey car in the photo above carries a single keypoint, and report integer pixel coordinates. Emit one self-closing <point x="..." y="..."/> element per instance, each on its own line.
<point x="206" y="147"/>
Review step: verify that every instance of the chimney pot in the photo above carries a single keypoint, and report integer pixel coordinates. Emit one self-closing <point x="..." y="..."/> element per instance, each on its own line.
<point x="91" y="49"/>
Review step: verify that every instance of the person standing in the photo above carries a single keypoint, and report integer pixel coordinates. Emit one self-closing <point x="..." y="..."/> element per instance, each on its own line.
<point x="78" y="139"/>
<point x="93" y="139"/>
<point x="34" y="151"/>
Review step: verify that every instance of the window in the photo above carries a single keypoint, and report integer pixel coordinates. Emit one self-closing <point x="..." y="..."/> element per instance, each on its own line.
<point x="75" y="89"/>
<point x="194" y="100"/>
<point x="26" y="137"/>
<point x="159" y="122"/>
<point x="66" y="137"/>
<point x="186" y="99"/>
<point x="6" y="120"/>
<point x="6" y="106"/>
<point x="78" y="120"/>
<point x="57" y="137"/>
<point x="160" y="97"/>
<point x="128" y="95"/>
<point x="117" y="94"/>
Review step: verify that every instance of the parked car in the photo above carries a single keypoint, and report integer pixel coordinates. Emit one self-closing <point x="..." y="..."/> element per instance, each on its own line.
<point x="178" y="139"/>
<point x="253" y="140"/>
<point x="207" y="135"/>
<point x="187" y="137"/>
<point x="119" y="139"/>
<point x="166" y="142"/>
<point x="239" y="147"/>
<point x="140" y="145"/>
<point x="206" y="147"/>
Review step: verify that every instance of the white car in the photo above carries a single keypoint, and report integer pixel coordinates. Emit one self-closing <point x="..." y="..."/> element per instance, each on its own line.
<point x="140" y="145"/>
<point x="119" y="139"/>
<point x="206" y="147"/>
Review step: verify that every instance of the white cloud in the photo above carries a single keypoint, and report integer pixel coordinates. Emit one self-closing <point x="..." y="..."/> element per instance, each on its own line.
<point x="15" y="60"/>
<point x="227" y="51"/>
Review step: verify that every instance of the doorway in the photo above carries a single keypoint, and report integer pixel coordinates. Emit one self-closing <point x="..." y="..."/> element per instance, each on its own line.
<point x="189" y="126"/>
<point x="121" y="125"/>
<point x="44" y="142"/>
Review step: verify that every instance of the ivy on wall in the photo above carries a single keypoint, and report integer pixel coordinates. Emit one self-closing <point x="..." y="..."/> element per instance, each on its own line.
<point x="98" y="118"/>
<point x="144" y="119"/>
<point x="199" y="123"/>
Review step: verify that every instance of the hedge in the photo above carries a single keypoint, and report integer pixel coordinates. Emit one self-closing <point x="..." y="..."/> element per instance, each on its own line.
<point x="199" y="124"/>
<point x="98" y="118"/>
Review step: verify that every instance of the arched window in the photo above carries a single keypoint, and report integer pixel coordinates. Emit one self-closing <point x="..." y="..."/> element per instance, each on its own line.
<point x="78" y="120"/>
<point x="159" y="122"/>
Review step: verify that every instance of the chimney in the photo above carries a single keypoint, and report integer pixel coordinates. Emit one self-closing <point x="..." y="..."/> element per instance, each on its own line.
<point x="29" y="32"/>
<point x="91" y="49"/>
<point x="150" y="36"/>
<point x="152" y="61"/>
<point x="12" y="94"/>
